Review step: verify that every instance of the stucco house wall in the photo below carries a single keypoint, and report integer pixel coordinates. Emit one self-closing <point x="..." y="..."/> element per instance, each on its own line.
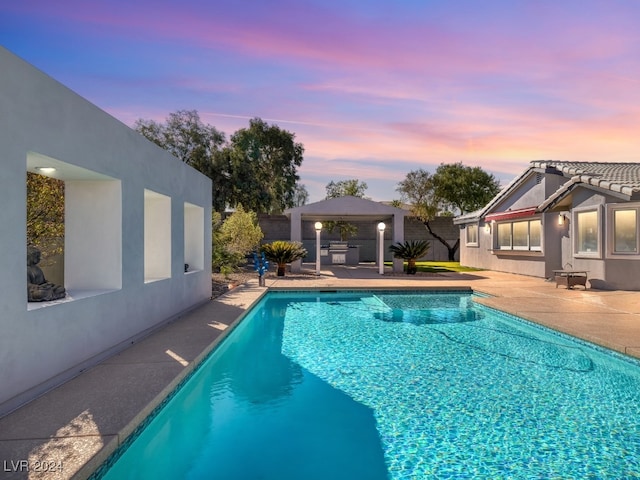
<point x="115" y="182"/>
<point x="558" y="194"/>
<point x="532" y="191"/>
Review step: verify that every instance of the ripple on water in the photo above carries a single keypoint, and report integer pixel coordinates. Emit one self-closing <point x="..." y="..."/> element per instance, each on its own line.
<point x="472" y="393"/>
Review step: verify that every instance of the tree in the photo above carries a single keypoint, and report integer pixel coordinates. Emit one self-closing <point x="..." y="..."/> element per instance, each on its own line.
<point x="257" y="168"/>
<point x="195" y="143"/>
<point x="453" y="186"/>
<point x="300" y="195"/>
<point x="234" y="238"/>
<point x="345" y="188"/>
<point x="345" y="229"/>
<point x="462" y="189"/>
<point x="264" y="160"/>
<point x="45" y="214"/>
<point x="241" y="232"/>
<point x="185" y="136"/>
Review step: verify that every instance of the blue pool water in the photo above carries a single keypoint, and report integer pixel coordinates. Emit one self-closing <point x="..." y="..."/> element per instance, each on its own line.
<point x="365" y="385"/>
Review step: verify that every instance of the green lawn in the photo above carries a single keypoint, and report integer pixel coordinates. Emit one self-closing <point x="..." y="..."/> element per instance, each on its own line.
<point x="439" y="267"/>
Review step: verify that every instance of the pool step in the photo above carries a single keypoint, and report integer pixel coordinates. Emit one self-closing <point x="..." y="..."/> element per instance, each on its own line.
<point x="375" y="303"/>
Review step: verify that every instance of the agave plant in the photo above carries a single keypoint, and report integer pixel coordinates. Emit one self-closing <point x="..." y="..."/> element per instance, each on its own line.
<point x="410" y="251"/>
<point x="282" y="252"/>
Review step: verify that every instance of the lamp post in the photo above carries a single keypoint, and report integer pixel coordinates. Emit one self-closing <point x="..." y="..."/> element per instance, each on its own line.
<point x="318" y="227"/>
<point x="381" y="227"/>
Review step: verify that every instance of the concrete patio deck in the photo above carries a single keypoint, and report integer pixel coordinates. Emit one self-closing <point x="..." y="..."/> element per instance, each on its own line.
<point x="75" y="427"/>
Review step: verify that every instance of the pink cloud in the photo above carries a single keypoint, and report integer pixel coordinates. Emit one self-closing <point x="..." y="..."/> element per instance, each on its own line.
<point x="506" y="85"/>
<point x="366" y="55"/>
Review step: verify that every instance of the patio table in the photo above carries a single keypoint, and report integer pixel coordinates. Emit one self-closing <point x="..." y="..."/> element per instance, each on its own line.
<point x="569" y="278"/>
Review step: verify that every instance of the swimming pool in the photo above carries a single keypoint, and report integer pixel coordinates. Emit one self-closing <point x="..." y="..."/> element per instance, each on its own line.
<point x="377" y="385"/>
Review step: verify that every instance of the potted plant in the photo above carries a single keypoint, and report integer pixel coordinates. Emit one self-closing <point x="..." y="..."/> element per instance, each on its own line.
<point x="282" y="252"/>
<point x="410" y="251"/>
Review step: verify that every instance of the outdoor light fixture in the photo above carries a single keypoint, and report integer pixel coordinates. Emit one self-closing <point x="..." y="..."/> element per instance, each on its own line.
<point x="487" y="227"/>
<point x="381" y="227"/>
<point x="46" y="169"/>
<point x="562" y="217"/>
<point x="318" y="227"/>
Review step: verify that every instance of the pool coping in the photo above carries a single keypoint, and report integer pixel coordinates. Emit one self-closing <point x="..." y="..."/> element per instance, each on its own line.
<point x="98" y="464"/>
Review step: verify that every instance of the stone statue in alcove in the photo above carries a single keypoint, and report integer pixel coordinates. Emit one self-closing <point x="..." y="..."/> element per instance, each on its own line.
<point x="38" y="289"/>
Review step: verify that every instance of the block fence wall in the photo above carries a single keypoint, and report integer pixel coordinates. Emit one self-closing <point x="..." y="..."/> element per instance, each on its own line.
<point x="277" y="227"/>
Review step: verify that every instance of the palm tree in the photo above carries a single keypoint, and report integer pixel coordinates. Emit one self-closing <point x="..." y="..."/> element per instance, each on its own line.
<point x="282" y="252"/>
<point x="410" y="251"/>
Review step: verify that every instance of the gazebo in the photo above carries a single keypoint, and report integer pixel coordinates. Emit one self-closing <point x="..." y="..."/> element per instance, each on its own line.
<point x="348" y="208"/>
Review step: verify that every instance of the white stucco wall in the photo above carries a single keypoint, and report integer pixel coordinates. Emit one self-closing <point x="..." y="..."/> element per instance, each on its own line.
<point x="606" y="269"/>
<point x="483" y="256"/>
<point x="106" y="167"/>
<point x="531" y="193"/>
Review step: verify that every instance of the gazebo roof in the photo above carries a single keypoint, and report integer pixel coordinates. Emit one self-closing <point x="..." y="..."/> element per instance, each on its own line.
<point x="353" y="208"/>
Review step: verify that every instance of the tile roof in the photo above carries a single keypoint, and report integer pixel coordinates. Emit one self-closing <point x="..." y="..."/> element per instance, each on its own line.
<point x="616" y="177"/>
<point x="621" y="178"/>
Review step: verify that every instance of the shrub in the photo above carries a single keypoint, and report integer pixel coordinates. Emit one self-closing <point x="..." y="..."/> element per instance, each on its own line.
<point x="234" y="238"/>
<point x="282" y="252"/>
<point x="410" y="251"/>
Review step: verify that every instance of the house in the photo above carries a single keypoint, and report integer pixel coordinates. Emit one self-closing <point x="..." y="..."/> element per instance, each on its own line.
<point x="134" y="217"/>
<point x="561" y="216"/>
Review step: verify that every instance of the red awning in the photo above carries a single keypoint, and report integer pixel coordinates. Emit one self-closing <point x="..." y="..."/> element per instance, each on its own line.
<point x="511" y="214"/>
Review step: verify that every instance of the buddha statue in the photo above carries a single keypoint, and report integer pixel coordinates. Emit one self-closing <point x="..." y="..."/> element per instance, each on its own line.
<point x="38" y="289"/>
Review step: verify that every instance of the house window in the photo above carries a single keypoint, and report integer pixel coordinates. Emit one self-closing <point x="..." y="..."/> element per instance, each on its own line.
<point x="520" y="235"/>
<point x="625" y="231"/>
<point x="587" y="232"/>
<point x="504" y="236"/>
<point x="535" y="235"/>
<point x="472" y="235"/>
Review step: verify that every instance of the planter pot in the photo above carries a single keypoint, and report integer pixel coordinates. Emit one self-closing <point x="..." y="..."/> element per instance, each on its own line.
<point x="280" y="271"/>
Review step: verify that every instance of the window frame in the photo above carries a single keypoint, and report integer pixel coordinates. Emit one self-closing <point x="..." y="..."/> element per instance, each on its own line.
<point x="575" y="222"/>
<point x="471" y="227"/>
<point x="516" y="245"/>
<point x="521" y="249"/>
<point x="611" y="231"/>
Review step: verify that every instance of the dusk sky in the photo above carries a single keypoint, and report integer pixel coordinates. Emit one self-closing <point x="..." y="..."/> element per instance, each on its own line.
<point x="373" y="89"/>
